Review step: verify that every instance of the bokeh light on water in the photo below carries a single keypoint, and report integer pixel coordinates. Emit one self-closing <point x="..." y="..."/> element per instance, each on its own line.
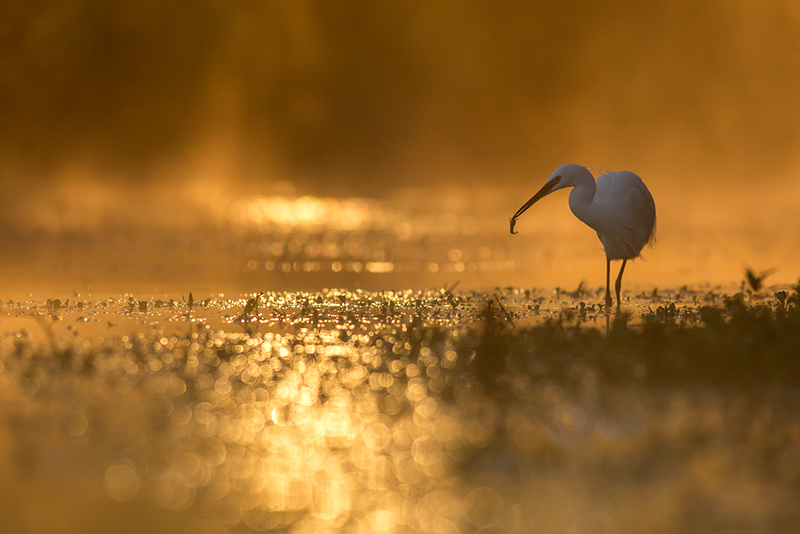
<point x="393" y="411"/>
<point x="272" y="149"/>
<point x="233" y="242"/>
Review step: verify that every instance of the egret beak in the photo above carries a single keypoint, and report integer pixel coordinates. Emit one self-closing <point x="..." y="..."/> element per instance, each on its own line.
<point x="546" y="189"/>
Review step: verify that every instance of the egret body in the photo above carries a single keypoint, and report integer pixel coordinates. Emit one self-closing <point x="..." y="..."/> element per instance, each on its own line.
<point x="619" y="207"/>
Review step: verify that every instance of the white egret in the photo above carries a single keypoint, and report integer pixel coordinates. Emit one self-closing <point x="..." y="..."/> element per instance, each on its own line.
<point x="619" y="207"/>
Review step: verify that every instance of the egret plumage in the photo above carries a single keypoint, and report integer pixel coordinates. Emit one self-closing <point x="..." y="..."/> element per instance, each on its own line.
<point x="618" y="206"/>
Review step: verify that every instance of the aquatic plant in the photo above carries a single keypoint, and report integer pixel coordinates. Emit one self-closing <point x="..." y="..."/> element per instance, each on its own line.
<point x="347" y="408"/>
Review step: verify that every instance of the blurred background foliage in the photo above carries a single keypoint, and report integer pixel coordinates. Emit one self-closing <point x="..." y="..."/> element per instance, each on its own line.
<point x="335" y="95"/>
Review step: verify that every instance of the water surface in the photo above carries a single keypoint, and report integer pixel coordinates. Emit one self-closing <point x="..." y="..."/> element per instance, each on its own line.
<point x="392" y="411"/>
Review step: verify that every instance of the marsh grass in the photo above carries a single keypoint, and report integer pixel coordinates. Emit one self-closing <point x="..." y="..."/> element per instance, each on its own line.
<point x="406" y="405"/>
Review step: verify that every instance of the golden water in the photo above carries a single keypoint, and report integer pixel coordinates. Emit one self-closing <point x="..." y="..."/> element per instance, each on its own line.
<point x="340" y="411"/>
<point x="142" y="161"/>
<point x="366" y="408"/>
<point x="210" y="239"/>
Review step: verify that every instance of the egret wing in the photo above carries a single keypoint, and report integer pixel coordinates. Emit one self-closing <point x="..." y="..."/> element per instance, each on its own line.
<point x="631" y="214"/>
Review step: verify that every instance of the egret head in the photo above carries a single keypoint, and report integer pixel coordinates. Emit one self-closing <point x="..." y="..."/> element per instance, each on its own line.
<point x="564" y="176"/>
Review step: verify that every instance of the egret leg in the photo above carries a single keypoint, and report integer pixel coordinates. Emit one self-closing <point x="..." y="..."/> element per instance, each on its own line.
<point x="608" y="284"/>
<point x="618" y="285"/>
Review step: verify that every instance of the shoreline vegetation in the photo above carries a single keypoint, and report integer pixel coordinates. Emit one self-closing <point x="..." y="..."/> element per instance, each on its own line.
<point x="403" y="411"/>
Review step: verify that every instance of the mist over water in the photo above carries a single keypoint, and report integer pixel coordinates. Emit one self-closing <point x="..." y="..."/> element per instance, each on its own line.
<point x="211" y="239"/>
<point x="256" y="270"/>
<point x="154" y="118"/>
<point x="335" y="97"/>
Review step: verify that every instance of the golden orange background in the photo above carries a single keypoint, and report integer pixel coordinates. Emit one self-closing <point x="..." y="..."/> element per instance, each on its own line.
<point x="124" y="117"/>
